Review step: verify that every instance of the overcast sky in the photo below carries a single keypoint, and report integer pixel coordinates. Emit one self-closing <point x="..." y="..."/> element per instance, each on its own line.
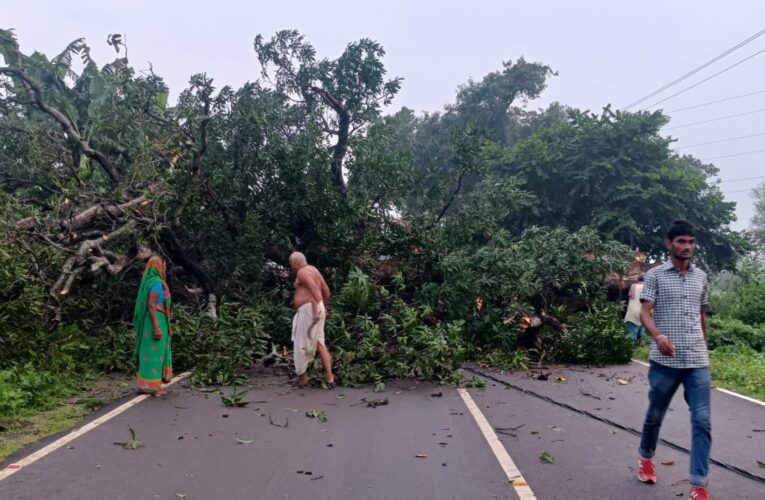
<point x="605" y="51"/>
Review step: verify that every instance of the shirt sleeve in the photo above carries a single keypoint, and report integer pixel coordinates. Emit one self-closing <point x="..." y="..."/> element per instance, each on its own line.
<point x="705" y="294"/>
<point x="650" y="286"/>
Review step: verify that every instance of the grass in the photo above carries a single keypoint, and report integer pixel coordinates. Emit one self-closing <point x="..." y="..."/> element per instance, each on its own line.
<point x="24" y="425"/>
<point x="736" y="368"/>
<point x="739" y="369"/>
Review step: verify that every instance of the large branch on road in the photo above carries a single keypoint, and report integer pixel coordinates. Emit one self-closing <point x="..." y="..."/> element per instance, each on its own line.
<point x="343" y="133"/>
<point x="65" y="123"/>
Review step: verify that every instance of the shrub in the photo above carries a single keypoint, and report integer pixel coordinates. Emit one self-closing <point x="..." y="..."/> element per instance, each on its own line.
<point x="722" y="332"/>
<point x="595" y="336"/>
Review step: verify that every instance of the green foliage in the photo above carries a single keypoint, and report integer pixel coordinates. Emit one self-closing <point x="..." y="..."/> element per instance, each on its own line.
<point x="739" y="368"/>
<point x="319" y="415"/>
<point x="235" y="399"/>
<point x="730" y="332"/>
<point x="218" y="351"/>
<point x="595" y="336"/>
<point x="25" y="389"/>
<point x="376" y="335"/>
<point x="505" y="360"/>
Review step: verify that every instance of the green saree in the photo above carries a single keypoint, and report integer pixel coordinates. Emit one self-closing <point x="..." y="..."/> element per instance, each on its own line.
<point x="154" y="360"/>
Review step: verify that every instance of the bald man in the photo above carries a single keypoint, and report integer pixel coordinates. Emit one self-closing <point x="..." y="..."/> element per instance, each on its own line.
<point x="311" y="296"/>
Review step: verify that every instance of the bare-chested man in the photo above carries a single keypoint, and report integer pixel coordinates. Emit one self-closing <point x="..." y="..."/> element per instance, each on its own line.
<point x="311" y="296"/>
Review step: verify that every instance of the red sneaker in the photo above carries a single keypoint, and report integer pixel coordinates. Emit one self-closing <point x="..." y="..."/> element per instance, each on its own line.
<point x="647" y="472"/>
<point x="698" y="493"/>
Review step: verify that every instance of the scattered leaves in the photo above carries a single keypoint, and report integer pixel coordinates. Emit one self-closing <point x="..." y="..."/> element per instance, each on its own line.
<point x="760" y="464"/>
<point x="560" y="378"/>
<point x="244" y="441"/>
<point x="476" y="383"/>
<point x="235" y="399"/>
<point x="421" y="455"/>
<point x="379" y="387"/>
<point x="546" y="457"/>
<point x="320" y="415"/>
<point x="621" y="381"/>
<point x="133" y="443"/>
<point x="668" y="462"/>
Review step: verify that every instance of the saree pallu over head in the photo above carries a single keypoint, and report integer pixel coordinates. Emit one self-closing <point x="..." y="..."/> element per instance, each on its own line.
<point x="153" y="358"/>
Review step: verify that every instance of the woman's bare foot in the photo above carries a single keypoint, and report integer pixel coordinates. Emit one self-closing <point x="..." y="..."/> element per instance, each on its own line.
<point x="159" y="393"/>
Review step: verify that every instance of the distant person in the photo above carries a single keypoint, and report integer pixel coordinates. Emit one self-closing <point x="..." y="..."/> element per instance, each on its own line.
<point x="311" y="296"/>
<point x="151" y="322"/>
<point x="676" y="293"/>
<point x="632" y="318"/>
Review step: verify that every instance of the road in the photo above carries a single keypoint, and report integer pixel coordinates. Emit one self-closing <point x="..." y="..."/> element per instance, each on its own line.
<point x="419" y="446"/>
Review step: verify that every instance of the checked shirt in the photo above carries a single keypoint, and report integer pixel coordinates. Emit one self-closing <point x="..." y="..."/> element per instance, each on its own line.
<point x="677" y="302"/>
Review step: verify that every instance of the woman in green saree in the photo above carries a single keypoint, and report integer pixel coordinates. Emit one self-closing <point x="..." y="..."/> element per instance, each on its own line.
<point x="151" y="321"/>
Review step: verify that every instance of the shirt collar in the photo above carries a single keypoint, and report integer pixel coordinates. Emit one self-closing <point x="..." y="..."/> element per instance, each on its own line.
<point x="668" y="266"/>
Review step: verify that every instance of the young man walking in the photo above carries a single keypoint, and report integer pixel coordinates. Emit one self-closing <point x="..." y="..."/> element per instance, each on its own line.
<point x="673" y="301"/>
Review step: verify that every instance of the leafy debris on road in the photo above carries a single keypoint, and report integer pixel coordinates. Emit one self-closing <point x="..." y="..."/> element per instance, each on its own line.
<point x="437" y="395"/>
<point x="760" y="464"/>
<point x="379" y="387"/>
<point x="181" y="495"/>
<point x="560" y="378"/>
<point x="317" y="478"/>
<point x="668" y="462"/>
<point x="543" y="376"/>
<point x="133" y="443"/>
<point x="621" y="381"/>
<point x="235" y="399"/>
<point x="546" y="457"/>
<point x="320" y="415"/>
<point x="374" y="403"/>
<point x="244" y="441"/>
<point x="476" y="383"/>
<point x="421" y="455"/>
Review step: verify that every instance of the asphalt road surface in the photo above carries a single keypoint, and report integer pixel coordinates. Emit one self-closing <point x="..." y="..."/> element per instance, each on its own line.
<point x="418" y="446"/>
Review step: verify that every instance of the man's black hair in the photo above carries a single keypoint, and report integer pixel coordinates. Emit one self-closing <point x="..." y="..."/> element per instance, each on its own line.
<point x="680" y="227"/>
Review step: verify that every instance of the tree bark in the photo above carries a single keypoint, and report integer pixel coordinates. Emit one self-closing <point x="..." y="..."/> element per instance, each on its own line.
<point x="343" y="133"/>
<point x="170" y="243"/>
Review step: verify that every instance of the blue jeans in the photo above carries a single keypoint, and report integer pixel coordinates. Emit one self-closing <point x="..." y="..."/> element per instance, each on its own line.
<point x="663" y="382"/>
<point x="636" y="331"/>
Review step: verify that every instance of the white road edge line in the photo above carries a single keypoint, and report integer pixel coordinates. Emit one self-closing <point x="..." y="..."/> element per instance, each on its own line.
<point x="726" y="391"/>
<point x="520" y="485"/>
<point x="32" y="458"/>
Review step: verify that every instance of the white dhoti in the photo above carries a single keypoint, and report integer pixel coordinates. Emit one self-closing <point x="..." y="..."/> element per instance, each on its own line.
<point x="306" y="335"/>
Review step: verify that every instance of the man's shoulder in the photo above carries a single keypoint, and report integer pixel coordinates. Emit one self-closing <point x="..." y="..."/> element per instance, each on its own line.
<point x="654" y="271"/>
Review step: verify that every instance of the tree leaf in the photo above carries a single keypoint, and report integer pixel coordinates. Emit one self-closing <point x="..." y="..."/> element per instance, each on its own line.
<point x="546" y="457"/>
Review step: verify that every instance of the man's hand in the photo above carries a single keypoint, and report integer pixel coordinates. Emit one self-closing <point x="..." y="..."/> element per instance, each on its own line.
<point x="666" y="347"/>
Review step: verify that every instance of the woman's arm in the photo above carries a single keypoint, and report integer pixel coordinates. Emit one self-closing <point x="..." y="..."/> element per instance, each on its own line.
<point x="152" y="310"/>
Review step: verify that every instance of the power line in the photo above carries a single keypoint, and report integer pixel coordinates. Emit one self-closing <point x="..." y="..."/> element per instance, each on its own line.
<point x="695" y="70"/>
<point x="707" y="79"/>
<point x="733" y="98"/>
<point x="737" y="191"/>
<point x="717" y="119"/>
<point x="722" y="140"/>
<point x="744" y="179"/>
<point x="745" y="153"/>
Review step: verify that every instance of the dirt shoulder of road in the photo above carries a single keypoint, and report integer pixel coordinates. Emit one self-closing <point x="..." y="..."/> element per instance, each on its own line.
<point x="18" y="433"/>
